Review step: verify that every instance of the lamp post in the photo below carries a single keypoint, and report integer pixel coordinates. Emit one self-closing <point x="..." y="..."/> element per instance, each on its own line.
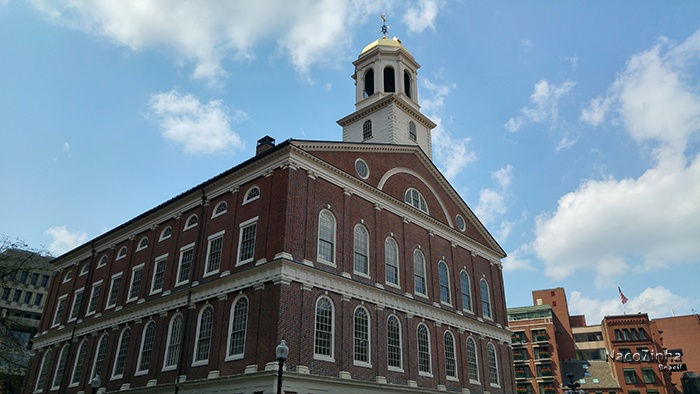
<point x="282" y="352"/>
<point x="95" y="384"/>
<point x="573" y="386"/>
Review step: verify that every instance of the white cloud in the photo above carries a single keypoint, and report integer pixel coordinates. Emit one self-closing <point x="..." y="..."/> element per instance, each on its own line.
<point x="655" y="301"/>
<point x="504" y="176"/>
<point x="201" y="128"/>
<point x="544" y="105"/>
<point x="492" y="202"/>
<point x="63" y="240"/>
<point x="422" y="16"/>
<point x="66" y="147"/>
<point x="610" y="226"/>
<point x="516" y="262"/>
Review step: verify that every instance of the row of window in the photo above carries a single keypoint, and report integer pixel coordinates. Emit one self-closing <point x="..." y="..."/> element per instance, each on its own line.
<point x="630" y="334"/>
<point x="29" y="278"/>
<point x="648" y="375"/>
<point x="389" y="82"/>
<point x="367" y="130"/>
<point x="30" y="298"/>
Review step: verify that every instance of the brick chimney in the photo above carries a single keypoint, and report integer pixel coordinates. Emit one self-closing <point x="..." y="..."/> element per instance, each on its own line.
<point x="264" y="144"/>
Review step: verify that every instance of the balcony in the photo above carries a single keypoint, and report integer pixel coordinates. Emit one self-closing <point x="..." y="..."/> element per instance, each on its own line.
<point x="519" y="357"/>
<point x="543" y="355"/>
<point x="522" y="374"/>
<point x="540" y="338"/>
<point x="545" y="373"/>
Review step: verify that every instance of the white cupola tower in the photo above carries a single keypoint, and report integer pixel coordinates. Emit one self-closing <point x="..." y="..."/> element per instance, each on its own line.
<point x="386" y="98"/>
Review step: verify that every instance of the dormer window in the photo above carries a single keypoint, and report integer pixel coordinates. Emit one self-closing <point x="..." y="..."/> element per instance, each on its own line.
<point x="252" y="194"/>
<point x="367" y="129"/>
<point x="414" y="198"/>
<point x="191" y="222"/>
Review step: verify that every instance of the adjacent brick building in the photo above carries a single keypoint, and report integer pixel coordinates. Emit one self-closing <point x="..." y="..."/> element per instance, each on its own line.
<point x="359" y="254"/>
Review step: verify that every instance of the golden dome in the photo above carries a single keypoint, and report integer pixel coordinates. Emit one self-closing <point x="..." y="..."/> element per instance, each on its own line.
<point x="384" y="42"/>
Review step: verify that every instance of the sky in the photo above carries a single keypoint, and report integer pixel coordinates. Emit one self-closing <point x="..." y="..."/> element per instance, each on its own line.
<point x="572" y="129"/>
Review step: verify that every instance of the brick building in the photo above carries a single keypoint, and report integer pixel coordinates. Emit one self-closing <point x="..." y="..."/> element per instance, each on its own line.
<point x="359" y="254"/>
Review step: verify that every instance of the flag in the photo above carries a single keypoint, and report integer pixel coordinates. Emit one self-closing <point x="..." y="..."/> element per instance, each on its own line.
<point x="623" y="299"/>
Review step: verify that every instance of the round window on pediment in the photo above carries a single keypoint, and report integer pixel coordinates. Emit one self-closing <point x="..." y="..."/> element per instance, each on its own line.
<point x="461" y="225"/>
<point x="362" y="168"/>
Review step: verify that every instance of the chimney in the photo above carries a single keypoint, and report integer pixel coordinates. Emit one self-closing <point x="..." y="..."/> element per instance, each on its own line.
<point x="264" y="144"/>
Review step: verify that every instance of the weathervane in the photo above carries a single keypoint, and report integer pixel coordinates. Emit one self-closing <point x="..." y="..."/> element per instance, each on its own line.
<point x="385" y="28"/>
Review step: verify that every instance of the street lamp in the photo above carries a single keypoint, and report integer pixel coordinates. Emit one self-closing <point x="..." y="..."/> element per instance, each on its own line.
<point x="95" y="384"/>
<point x="282" y="352"/>
<point x="573" y="386"/>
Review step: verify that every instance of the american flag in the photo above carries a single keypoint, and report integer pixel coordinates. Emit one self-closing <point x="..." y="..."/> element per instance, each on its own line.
<point x="623" y="299"/>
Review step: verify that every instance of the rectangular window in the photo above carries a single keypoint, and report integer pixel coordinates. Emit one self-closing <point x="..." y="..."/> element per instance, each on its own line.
<point x="28" y="297"/>
<point x="58" y="315"/>
<point x="37" y="300"/>
<point x="185" y="264"/>
<point x="159" y="274"/>
<point x="44" y="280"/>
<point x="17" y="296"/>
<point x="246" y="241"/>
<point x="5" y="294"/>
<point x="648" y="375"/>
<point x="135" y="287"/>
<point x="75" y="308"/>
<point x="34" y="279"/>
<point x="630" y="376"/>
<point x="216" y="243"/>
<point x="94" y="297"/>
<point x="114" y="290"/>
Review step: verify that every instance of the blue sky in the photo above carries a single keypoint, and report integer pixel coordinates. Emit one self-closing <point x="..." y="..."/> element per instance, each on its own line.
<point x="570" y="128"/>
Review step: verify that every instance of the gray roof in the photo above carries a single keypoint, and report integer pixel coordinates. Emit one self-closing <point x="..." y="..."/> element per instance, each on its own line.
<point x="598" y="370"/>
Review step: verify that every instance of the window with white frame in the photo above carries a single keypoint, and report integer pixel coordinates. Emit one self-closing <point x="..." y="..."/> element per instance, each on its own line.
<point x="68" y="276"/>
<point x="412" y="134"/>
<point x="94" y="297"/>
<point x="166" y="233"/>
<point x="100" y="355"/>
<point x="415" y="198"/>
<point x="216" y="243"/>
<point x="114" y="290"/>
<point x="472" y="363"/>
<point x="444" y="279"/>
<point x="220" y="209"/>
<point x="120" y="361"/>
<point x="143" y="244"/>
<point x="122" y="253"/>
<point x="361" y="349"/>
<point x="326" y="237"/>
<point x="367" y="129"/>
<point x="172" y="352"/>
<point x="203" y="343"/>
<point x="324" y="329"/>
<point x="84" y="269"/>
<point x="393" y="334"/>
<point x="419" y="273"/>
<point x="159" y="274"/>
<point x="237" y="326"/>
<point x="450" y="358"/>
<point x="391" y="261"/>
<point x="77" y="301"/>
<point x="147" y="339"/>
<point x="60" y="368"/>
<point x="485" y="298"/>
<point x="78" y="364"/>
<point x="465" y="287"/>
<point x="185" y="264"/>
<point x="424" y="363"/>
<point x="252" y="194"/>
<point x="493" y="364"/>
<point x="58" y="314"/>
<point x="135" y="287"/>
<point x="191" y="222"/>
<point x="361" y="251"/>
<point x="102" y="262"/>
<point x="43" y="371"/>
<point x="246" y="241"/>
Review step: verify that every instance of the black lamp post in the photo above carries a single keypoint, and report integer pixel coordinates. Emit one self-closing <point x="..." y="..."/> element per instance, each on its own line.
<point x="282" y="352"/>
<point x="573" y="386"/>
<point x="95" y="384"/>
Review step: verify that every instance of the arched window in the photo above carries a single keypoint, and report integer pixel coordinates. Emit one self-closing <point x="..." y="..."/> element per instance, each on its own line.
<point x="326" y="237"/>
<point x="361" y="334"/>
<point x="43" y="371"/>
<point x="122" y="253"/>
<point x="369" y="83"/>
<point x="367" y="129"/>
<point x="237" y="329"/>
<point x="85" y="269"/>
<point x="68" y="276"/>
<point x="143" y="243"/>
<point x="60" y="367"/>
<point x="444" y="278"/>
<point x="485" y="298"/>
<point x="466" y="291"/>
<point x="120" y="361"/>
<point x="99" y="356"/>
<point x="79" y="362"/>
<point x="419" y="272"/>
<point x="220" y="209"/>
<point x="493" y="364"/>
<point x="414" y="198"/>
<point x="450" y="358"/>
<point x="252" y="194"/>
<point x="146" y="348"/>
<point x="361" y="250"/>
<point x="203" y="343"/>
<point x="393" y="334"/>
<point x="391" y="260"/>
<point x="172" y="353"/>
<point x="191" y="222"/>
<point x="167" y="232"/>
<point x="102" y="262"/>
<point x="472" y="365"/>
<point x="389" y="82"/>
<point x="323" y="335"/>
<point x="412" y="134"/>
<point x="424" y="364"/>
<point x="407" y="84"/>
